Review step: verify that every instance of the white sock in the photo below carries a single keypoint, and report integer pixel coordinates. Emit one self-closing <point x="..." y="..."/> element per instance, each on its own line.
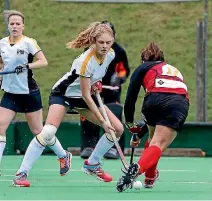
<point x="58" y="149"/>
<point x="33" y="153"/>
<point x="2" y="147"/>
<point x="101" y="148"/>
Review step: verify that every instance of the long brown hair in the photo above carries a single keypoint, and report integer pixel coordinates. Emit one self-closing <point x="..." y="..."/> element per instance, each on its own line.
<point x="152" y="52"/>
<point x="88" y="36"/>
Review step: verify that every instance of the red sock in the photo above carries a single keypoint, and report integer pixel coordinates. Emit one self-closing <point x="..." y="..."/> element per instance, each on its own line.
<point x="146" y="145"/>
<point x="149" y="158"/>
<point x="150" y="173"/>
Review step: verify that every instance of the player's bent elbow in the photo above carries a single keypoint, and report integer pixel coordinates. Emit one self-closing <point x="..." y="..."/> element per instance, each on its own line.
<point x="45" y="63"/>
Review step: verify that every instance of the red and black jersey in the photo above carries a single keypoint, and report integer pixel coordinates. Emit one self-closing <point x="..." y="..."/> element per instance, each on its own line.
<point x="157" y="77"/>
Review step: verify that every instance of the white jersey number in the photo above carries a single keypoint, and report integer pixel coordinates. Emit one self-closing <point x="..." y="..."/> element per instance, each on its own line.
<point x="171" y="71"/>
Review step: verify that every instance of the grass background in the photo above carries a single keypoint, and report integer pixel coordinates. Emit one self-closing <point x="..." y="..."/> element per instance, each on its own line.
<point x="171" y="25"/>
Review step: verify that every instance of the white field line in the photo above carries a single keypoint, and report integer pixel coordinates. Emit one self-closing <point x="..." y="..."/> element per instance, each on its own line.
<point x="111" y="170"/>
<point x="96" y="181"/>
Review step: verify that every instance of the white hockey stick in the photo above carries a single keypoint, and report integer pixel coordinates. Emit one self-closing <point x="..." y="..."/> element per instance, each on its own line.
<point x="122" y="157"/>
<point x="113" y="88"/>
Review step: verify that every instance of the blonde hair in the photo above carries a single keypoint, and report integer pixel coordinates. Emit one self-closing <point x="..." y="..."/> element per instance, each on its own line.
<point x="8" y="13"/>
<point x="88" y="36"/>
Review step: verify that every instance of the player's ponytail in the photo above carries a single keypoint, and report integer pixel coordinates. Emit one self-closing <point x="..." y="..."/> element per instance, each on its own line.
<point x="152" y="53"/>
<point x="87" y="37"/>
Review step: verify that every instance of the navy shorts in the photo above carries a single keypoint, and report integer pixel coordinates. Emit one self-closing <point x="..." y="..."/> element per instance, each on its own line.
<point x="22" y="103"/>
<point x="72" y="103"/>
<point x="165" y="109"/>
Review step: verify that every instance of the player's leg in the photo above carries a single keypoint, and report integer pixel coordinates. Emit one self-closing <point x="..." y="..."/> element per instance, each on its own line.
<point x="92" y="165"/>
<point x="7" y="113"/>
<point x="35" y="122"/>
<point x="44" y="138"/>
<point x="5" y="118"/>
<point x="54" y="121"/>
<point x="112" y="100"/>
<point x="89" y="137"/>
<point x="151" y="174"/>
<point x="116" y="109"/>
<point x="163" y="136"/>
<point x="170" y="118"/>
<point x="34" y="150"/>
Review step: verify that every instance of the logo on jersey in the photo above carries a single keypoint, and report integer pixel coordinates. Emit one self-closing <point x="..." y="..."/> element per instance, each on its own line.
<point x="19" y="51"/>
<point x="160" y="82"/>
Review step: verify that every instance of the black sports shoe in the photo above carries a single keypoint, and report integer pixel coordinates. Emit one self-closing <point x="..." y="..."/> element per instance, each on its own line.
<point x="86" y="152"/>
<point x="126" y="181"/>
<point x="112" y="154"/>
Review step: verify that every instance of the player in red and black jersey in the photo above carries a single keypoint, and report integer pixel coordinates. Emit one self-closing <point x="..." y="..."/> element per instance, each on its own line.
<point x="165" y="108"/>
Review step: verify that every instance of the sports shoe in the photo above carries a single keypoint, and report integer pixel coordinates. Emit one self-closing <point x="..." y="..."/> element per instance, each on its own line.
<point x="21" y="180"/>
<point x="65" y="163"/>
<point x="86" y="152"/>
<point x="96" y="171"/>
<point x="112" y="154"/>
<point x="126" y="181"/>
<point x="150" y="182"/>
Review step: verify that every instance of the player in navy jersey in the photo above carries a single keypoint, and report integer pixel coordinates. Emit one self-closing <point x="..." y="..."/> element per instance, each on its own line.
<point x="76" y="91"/>
<point x="165" y="108"/>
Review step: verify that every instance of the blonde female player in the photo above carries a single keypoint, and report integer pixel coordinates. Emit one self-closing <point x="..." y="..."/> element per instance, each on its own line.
<point x="74" y="91"/>
<point x="21" y="93"/>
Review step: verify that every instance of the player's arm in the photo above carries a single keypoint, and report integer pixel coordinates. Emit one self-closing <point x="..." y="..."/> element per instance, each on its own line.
<point x="136" y="139"/>
<point x="1" y="63"/>
<point x="40" y="62"/>
<point x="36" y="51"/>
<point x="122" y="69"/>
<point x="132" y="94"/>
<point x="86" y="95"/>
<point x="125" y="64"/>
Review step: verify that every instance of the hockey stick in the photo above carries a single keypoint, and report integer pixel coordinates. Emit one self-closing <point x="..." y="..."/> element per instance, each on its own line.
<point x="6" y="72"/>
<point x="112" y="88"/>
<point x="133" y="149"/>
<point x="122" y="157"/>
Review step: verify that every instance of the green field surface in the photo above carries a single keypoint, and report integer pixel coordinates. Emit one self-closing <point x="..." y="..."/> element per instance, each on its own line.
<point x="180" y="179"/>
<point x="171" y="25"/>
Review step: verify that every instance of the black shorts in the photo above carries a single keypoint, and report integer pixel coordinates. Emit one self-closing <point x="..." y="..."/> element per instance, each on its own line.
<point x="165" y="109"/>
<point x="23" y="103"/>
<point x="72" y="103"/>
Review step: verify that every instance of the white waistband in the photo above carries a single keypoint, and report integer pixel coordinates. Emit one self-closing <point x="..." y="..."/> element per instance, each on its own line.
<point x="169" y="84"/>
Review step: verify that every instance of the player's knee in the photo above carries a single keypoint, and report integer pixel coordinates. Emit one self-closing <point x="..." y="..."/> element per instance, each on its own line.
<point x="2" y="138"/>
<point x="119" y="130"/>
<point x="47" y="135"/>
<point x="3" y="130"/>
<point x="110" y="138"/>
<point x="35" y="131"/>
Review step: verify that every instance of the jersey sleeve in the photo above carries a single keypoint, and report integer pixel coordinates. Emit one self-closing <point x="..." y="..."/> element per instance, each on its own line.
<point x="132" y="94"/>
<point x="111" y="54"/>
<point x="84" y="68"/>
<point x="33" y="46"/>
